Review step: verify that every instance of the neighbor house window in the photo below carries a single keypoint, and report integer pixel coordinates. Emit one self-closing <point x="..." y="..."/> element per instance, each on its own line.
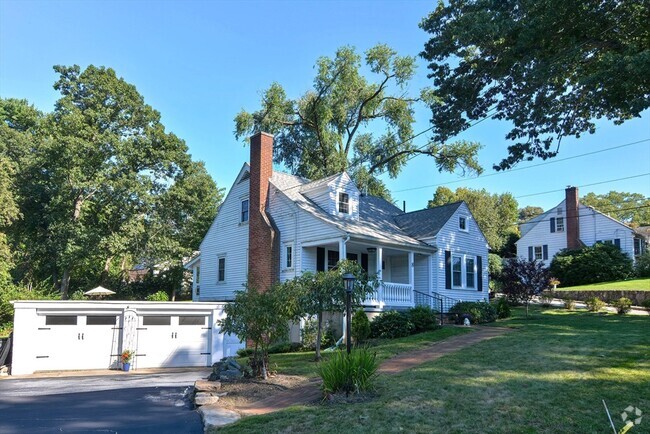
<point x="538" y="253"/>
<point x="457" y="271"/>
<point x="470" y="274"/>
<point x="221" y="273"/>
<point x="462" y="223"/>
<point x="559" y="224"/>
<point x="244" y="211"/>
<point x="344" y="203"/>
<point x="288" y="256"/>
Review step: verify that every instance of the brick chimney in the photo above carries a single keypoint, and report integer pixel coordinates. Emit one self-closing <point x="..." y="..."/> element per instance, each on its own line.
<point x="263" y="249"/>
<point x="572" y="218"/>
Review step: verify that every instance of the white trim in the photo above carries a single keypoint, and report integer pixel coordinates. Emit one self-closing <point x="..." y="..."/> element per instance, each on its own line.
<point x="464" y="217"/>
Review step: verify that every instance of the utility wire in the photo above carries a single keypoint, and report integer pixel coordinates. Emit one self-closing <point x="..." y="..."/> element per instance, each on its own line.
<point x="585" y="185"/>
<point x="553" y="161"/>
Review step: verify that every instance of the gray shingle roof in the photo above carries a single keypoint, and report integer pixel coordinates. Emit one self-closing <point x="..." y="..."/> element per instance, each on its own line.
<point x="426" y="223"/>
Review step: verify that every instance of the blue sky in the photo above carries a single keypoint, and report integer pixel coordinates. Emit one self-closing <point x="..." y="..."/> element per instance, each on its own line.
<point x="200" y="62"/>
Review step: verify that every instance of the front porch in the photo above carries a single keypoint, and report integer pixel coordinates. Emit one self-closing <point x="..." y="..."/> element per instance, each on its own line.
<point x="404" y="275"/>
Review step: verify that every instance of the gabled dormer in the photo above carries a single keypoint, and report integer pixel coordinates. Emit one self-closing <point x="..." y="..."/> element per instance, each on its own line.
<point x="337" y="195"/>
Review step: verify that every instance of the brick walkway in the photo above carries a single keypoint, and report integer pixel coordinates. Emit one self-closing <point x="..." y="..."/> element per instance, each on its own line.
<point x="311" y="392"/>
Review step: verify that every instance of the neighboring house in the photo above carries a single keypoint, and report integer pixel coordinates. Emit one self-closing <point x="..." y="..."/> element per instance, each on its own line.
<point x="274" y="226"/>
<point x="642" y="240"/>
<point x="571" y="225"/>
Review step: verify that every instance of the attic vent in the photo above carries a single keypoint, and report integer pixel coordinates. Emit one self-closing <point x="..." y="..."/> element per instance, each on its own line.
<point x="244" y="177"/>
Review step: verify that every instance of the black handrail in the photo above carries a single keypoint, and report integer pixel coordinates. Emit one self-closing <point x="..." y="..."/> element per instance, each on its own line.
<point x="439" y="299"/>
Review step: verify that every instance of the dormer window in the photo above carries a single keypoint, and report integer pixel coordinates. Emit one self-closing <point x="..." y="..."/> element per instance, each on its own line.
<point x="462" y="224"/>
<point x="344" y="203"/>
<point x="244" y="211"/>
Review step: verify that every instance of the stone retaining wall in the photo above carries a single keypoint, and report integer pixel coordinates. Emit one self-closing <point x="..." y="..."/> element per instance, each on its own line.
<point x="637" y="297"/>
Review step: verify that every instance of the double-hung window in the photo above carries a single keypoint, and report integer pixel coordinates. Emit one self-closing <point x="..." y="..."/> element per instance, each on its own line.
<point x="344" y="203"/>
<point x="457" y="271"/>
<point x="559" y="224"/>
<point x="288" y="255"/>
<point x="462" y="223"/>
<point x="221" y="270"/>
<point x="244" y="211"/>
<point x="470" y="273"/>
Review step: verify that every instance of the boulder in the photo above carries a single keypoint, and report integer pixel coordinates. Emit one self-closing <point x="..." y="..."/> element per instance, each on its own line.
<point x="207" y="386"/>
<point x="204" y="398"/>
<point x="214" y="416"/>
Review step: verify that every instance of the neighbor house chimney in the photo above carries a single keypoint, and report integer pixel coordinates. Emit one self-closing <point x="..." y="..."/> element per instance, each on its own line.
<point x="572" y="218"/>
<point x="262" y="249"/>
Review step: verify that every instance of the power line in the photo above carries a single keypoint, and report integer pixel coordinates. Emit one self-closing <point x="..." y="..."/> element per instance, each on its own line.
<point x="585" y="185"/>
<point x="553" y="161"/>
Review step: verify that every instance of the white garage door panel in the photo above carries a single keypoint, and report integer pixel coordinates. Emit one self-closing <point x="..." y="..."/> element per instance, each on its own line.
<point x="172" y="341"/>
<point x="68" y="342"/>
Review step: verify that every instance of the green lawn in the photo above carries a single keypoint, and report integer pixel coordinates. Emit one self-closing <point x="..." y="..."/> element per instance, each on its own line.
<point x="623" y="285"/>
<point x="304" y="364"/>
<point x="549" y="376"/>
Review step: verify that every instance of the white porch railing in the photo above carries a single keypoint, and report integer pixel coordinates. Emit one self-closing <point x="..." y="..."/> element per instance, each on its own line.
<point x="391" y="294"/>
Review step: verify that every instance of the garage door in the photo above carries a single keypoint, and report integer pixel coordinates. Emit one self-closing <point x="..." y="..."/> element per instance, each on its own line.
<point x="173" y="341"/>
<point x="77" y="342"/>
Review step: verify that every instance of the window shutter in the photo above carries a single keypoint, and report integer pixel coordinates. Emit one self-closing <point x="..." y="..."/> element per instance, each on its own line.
<point x="447" y="269"/>
<point x="530" y="253"/>
<point x="320" y="259"/>
<point x="364" y="262"/>
<point x="479" y="273"/>
<point x="545" y="252"/>
<point x="617" y="243"/>
<point x="552" y="224"/>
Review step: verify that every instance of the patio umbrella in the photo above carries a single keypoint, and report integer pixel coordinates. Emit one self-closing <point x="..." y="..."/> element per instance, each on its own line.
<point x="99" y="291"/>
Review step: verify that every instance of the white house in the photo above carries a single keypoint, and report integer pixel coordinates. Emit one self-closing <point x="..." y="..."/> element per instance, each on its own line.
<point x="571" y="225"/>
<point x="274" y="226"/>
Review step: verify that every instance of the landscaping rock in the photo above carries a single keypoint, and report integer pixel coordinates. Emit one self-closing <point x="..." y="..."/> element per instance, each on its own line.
<point x="231" y="375"/>
<point x="227" y="369"/>
<point x="215" y="416"/>
<point x="205" y="398"/>
<point x="207" y="386"/>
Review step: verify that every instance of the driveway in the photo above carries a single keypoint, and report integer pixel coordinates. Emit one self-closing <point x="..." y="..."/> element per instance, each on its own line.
<point x="128" y="403"/>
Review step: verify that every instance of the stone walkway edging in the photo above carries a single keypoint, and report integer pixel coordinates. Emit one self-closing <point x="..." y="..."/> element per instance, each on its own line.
<point x="311" y="392"/>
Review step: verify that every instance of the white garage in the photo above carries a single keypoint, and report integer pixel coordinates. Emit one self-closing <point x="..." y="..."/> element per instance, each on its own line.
<point x="69" y="335"/>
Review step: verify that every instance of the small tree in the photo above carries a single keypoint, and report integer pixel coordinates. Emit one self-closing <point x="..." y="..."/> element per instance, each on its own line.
<point x="324" y="292"/>
<point x="523" y="279"/>
<point x="261" y="317"/>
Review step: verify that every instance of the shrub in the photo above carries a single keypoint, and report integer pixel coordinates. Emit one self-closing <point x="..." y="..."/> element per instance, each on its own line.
<point x="310" y="330"/>
<point x="158" y="296"/>
<point x="360" y="326"/>
<point x="351" y="373"/>
<point x="546" y="298"/>
<point x="569" y="304"/>
<point x="245" y="352"/>
<point x="495" y="268"/>
<point x="502" y="307"/>
<point x="594" y="304"/>
<point x="622" y="305"/>
<point x="597" y="263"/>
<point x="646" y="304"/>
<point x="285" y="347"/>
<point x="479" y="312"/>
<point x="423" y="318"/>
<point x="642" y="266"/>
<point x="391" y="324"/>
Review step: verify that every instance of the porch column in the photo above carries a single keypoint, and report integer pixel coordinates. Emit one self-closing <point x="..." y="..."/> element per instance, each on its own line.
<point x="411" y="265"/>
<point x="380" y="255"/>
<point x="342" y="251"/>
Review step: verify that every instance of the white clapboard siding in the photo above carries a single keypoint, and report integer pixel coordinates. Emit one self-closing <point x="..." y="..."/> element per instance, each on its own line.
<point x="228" y="237"/>
<point x="594" y="226"/>
<point x="326" y="196"/>
<point x="540" y="234"/>
<point x="422" y="278"/>
<point x="297" y="226"/>
<point x="470" y="243"/>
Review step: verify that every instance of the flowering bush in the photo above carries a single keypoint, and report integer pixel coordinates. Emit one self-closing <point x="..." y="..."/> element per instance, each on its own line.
<point x="127" y="356"/>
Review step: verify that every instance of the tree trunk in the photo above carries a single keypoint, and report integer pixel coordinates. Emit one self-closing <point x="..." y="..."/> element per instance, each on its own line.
<point x="319" y="335"/>
<point x="107" y="269"/>
<point x="173" y="295"/>
<point x="65" y="283"/>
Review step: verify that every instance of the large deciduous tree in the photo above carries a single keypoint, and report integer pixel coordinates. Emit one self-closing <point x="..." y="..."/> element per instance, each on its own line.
<point x="102" y="179"/>
<point x="630" y="208"/>
<point x="550" y="67"/>
<point x="333" y="127"/>
<point x="495" y="214"/>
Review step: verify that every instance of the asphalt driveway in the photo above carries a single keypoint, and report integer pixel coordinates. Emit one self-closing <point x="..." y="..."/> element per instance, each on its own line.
<point x="131" y="403"/>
